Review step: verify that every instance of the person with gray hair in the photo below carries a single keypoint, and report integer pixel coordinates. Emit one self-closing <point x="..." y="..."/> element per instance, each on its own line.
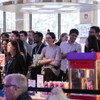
<point x="57" y="94"/>
<point x="15" y="87"/>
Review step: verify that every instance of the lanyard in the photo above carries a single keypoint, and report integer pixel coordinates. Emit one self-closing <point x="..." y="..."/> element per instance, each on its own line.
<point x="9" y="63"/>
<point x="38" y="49"/>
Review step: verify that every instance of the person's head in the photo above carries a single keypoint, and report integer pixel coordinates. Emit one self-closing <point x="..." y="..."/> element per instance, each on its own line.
<point x="38" y="36"/>
<point x="23" y="36"/>
<point x="92" y="44"/>
<point x="14" y="35"/>
<point x="15" y="85"/>
<point x="73" y="34"/>
<point x="94" y="30"/>
<point x="13" y="47"/>
<point x="21" y="45"/>
<point x="4" y="36"/>
<point x="64" y="37"/>
<point x="30" y="35"/>
<point x="57" y="94"/>
<point x="48" y="30"/>
<point x="4" y="44"/>
<point x="50" y="38"/>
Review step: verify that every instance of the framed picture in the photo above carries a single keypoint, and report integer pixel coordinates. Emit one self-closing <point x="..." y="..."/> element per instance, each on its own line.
<point x="83" y="29"/>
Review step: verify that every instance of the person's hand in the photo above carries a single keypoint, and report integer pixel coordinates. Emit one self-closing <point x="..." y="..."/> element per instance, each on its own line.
<point x="52" y="59"/>
<point x="74" y="51"/>
<point x="44" y="58"/>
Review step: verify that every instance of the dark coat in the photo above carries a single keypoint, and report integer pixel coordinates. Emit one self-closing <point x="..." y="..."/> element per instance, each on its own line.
<point x="18" y="65"/>
<point x="24" y="96"/>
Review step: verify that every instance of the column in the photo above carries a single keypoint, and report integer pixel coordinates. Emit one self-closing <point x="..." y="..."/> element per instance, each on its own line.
<point x="4" y="21"/>
<point x="59" y="25"/>
<point x="30" y="21"/>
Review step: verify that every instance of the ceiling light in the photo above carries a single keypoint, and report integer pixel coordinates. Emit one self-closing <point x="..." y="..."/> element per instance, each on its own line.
<point x="27" y="8"/>
<point x="52" y="6"/>
<point x="46" y="11"/>
<point x="67" y="8"/>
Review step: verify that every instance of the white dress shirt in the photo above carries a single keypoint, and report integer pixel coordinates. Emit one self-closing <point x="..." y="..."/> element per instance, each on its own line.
<point x="66" y="47"/>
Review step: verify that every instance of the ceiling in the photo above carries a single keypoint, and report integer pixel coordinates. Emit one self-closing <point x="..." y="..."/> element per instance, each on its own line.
<point x="49" y="6"/>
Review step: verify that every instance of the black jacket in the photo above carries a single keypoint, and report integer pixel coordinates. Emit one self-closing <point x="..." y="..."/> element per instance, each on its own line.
<point x="24" y="96"/>
<point x="18" y="65"/>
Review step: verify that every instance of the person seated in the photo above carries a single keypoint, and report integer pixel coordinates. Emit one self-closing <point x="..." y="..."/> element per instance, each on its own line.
<point x="57" y="94"/>
<point x="15" y="87"/>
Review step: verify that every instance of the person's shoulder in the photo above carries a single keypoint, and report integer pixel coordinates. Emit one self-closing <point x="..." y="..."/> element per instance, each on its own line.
<point x="24" y="96"/>
<point x="63" y="44"/>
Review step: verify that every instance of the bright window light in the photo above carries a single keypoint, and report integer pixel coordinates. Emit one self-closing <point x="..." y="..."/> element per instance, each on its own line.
<point x="52" y="6"/>
<point x="46" y="11"/>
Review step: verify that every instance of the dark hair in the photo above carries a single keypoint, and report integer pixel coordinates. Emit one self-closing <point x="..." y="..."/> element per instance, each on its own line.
<point x="93" y="43"/>
<point x="74" y="31"/>
<point x="60" y="40"/>
<point x="31" y="32"/>
<point x="16" y="33"/>
<point x="39" y="34"/>
<point x="96" y="28"/>
<point x="21" y="45"/>
<point x="48" y="30"/>
<point x="24" y="32"/>
<point x="15" y="44"/>
<point x="2" y="50"/>
<point x="6" y="35"/>
<point x="5" y="40"/>
<point x="52" y="35"/>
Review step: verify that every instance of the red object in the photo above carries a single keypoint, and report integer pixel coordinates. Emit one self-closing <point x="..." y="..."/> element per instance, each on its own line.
<point x="85" y="16"/>
<point x="82" y="64"/>
<point x="82" y="97"/>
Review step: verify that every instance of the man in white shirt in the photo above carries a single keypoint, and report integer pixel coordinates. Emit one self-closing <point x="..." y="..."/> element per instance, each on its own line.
<point x="69" y="47"/>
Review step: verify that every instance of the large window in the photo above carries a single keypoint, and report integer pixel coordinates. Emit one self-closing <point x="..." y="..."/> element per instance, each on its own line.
<point x="43" y="22"/>
<point x="68" y="21"/>
<point x="10" y="21"/>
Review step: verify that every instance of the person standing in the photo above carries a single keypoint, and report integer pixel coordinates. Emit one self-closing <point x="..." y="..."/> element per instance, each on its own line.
<point x="23" y="37"/>
<point x="38" y="36"/>
<point x="15" y="61"/>
<point x="50" y="59"/>
<point x="31" y="39"/>
<point x="94" y="30"/>
<point x="69" y="46"/>
<point x="14" y="35"/>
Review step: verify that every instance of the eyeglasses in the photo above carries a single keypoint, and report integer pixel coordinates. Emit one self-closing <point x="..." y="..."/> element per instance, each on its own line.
<point x="8" y="85"/>
<point x="48" y="38"/>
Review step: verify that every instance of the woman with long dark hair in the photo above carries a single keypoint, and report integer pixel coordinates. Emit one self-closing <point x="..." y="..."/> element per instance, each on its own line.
<point x="27" y="57"/>
<point x="15" y="61"/>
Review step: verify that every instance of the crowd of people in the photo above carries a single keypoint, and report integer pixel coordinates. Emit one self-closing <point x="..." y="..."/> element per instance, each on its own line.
<point x="25" y="52"/>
